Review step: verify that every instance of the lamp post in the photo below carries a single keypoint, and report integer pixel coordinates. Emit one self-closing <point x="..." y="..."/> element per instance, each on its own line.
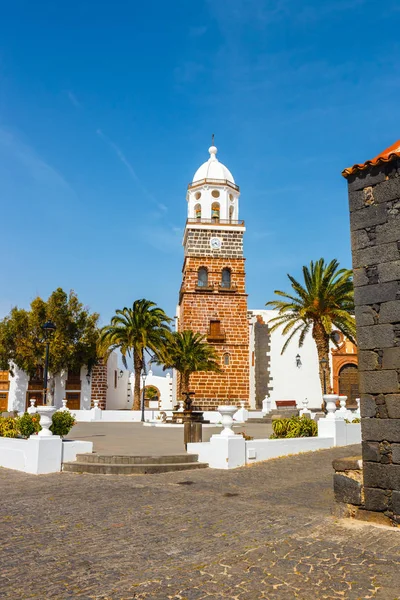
<point x="323" y="362"/>
<point x="143" y="389"/>
<point x="48" y="330"/>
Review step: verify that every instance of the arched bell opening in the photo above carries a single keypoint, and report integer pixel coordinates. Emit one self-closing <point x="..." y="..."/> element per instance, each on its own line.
<point x="215" y="211"/>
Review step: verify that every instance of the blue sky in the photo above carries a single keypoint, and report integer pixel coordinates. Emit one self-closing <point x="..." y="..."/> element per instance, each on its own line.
<point x="107" y="110"/>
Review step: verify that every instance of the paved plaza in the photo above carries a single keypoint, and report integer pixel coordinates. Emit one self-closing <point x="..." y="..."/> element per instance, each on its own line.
<point x="134" y="438"/>
<point x="264" y="531"/>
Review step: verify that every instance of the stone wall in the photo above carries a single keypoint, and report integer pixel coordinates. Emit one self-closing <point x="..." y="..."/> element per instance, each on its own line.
<point x="198" y="243"/>
<point x="262" y="350"/>
<point x="99" y="384"/>
<point x="374" y="198"/>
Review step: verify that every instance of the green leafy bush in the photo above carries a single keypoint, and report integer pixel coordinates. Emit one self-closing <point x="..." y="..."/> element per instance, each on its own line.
<point x="8" y="427"/>
<point x="63" y="422"/>
<point x="293" y="428"/>
<point x="356" y="420"/>
<point x="28" y="424"/>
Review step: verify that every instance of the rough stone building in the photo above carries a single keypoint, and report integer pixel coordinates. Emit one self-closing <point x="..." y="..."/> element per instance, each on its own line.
<point x="213" y="299"/>
<point x="374" y="198"/>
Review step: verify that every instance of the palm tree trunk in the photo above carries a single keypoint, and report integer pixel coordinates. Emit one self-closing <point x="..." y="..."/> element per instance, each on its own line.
<point x="137" y="368"/>
<point x="185" y="380"/>
<point x="322" y="342"/>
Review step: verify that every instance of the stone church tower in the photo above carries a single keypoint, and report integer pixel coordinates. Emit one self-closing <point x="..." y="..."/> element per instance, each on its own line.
<point x="213" y="299"/>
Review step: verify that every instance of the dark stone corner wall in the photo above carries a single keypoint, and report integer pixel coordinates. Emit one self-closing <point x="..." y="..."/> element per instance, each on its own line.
<point x="374" y="198"/>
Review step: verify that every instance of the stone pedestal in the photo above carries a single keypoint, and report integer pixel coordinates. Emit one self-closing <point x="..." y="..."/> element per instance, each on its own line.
<point x="192" y="432"/>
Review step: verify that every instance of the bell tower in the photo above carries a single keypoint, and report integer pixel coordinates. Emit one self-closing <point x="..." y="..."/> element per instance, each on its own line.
<point x="212" y="298"/>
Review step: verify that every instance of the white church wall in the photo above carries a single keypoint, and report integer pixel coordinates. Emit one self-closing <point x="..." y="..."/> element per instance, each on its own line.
<point x="17" y="391"/>
<point x="86" y="388"/>
<point x="163" y="383"/>
<point x="117" y="385"/>
<point x="288" y="381"/>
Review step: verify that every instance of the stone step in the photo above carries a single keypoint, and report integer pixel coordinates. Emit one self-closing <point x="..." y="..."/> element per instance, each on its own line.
<point x="259" y="420"/>
<point x="126" y="459"/>
<point x="129" y="469"/>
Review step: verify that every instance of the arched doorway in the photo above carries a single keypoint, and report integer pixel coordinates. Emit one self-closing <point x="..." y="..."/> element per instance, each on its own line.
<point x="348" y="384"/>
<point x="151" y="393"/>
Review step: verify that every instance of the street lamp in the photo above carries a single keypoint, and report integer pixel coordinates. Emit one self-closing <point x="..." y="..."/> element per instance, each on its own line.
<point x="324" y="363"/>
<point x="143" y="389"/>
<point x="48" y="330"/>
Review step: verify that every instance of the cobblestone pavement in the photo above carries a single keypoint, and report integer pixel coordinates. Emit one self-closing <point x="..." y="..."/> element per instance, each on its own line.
<point x="263" y="531"/>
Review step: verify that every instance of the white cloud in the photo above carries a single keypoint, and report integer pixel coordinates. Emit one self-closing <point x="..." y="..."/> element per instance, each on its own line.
<point x="73" y="99"/>
<point x="117" y="150"/>
<point x="35" y="167"/>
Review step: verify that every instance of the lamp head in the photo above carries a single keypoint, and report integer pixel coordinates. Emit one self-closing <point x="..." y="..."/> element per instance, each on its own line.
<point x="49" y="328"/>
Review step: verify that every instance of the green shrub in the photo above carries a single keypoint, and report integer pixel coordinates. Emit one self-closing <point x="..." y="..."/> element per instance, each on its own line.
<point x="356" y="420"/>
<point x="28" y="424"/>
<point x="8" y="427"/>
<point x="63" y="422"/>
<point x="293" y="428"/>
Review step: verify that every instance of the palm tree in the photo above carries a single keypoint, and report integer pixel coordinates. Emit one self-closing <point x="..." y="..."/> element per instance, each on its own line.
<point x="325" y="300"/>
<point x="188" y="353"/>
<point x="134" y="330"/>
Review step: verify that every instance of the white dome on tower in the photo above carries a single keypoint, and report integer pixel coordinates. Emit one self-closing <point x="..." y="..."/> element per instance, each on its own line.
<point x="213" y="169"/>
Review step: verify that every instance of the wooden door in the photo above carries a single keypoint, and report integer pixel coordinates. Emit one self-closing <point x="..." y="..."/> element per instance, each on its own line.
<point x="73" y="400"/>
<point x="348" y="384"/>
<point x="73" y="390"/>
<point x="4" y="387"/>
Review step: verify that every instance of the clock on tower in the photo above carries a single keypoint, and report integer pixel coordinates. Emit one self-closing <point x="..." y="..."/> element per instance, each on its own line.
<point x="213" y="299"/>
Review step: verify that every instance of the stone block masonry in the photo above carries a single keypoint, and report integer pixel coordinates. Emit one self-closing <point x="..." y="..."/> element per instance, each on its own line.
<point x="198" y="308"/>
<point x="374" y="198"/>
<point x="99" y="384"/>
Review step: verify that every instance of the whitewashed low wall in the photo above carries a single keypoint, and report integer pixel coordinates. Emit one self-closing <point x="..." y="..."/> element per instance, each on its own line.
<point x="344" y="434"/>
<point x="150" y="414"/>
<point x="231" y="452"/>
<point x="257" y="450"/>
<point x="39" y="455"/>
<point x="113" y="416"/>
<point x="70" y="448"/>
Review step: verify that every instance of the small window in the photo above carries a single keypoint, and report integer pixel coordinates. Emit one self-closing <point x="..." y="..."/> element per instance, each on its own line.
<point x="215" y="194"/>
<point x="231" y="197"/>
<point x="226" y="278"/>
<point x="231" y="209"/>
<point x="215" y="209"/>
<point x="226" y="359"/>
<point x="115" y="379"/>
<point x="197" y="211"/>
<point x="202" y="277"/>
<point x="197" y="195"/>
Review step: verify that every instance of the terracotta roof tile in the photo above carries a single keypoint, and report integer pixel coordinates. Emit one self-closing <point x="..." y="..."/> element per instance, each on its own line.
<point x="385" y="156"/>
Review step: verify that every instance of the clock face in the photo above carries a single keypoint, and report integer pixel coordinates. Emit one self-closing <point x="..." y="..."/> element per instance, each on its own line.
<point x="215" y="243"/>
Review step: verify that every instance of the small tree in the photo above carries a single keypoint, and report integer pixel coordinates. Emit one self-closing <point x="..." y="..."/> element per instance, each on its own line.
<point x="150" y="392"/>
<point x="134" y="330"/>
<point x="324" y="300"/>
<point x="72" y="345"/>
<point x="188" y="353"/>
